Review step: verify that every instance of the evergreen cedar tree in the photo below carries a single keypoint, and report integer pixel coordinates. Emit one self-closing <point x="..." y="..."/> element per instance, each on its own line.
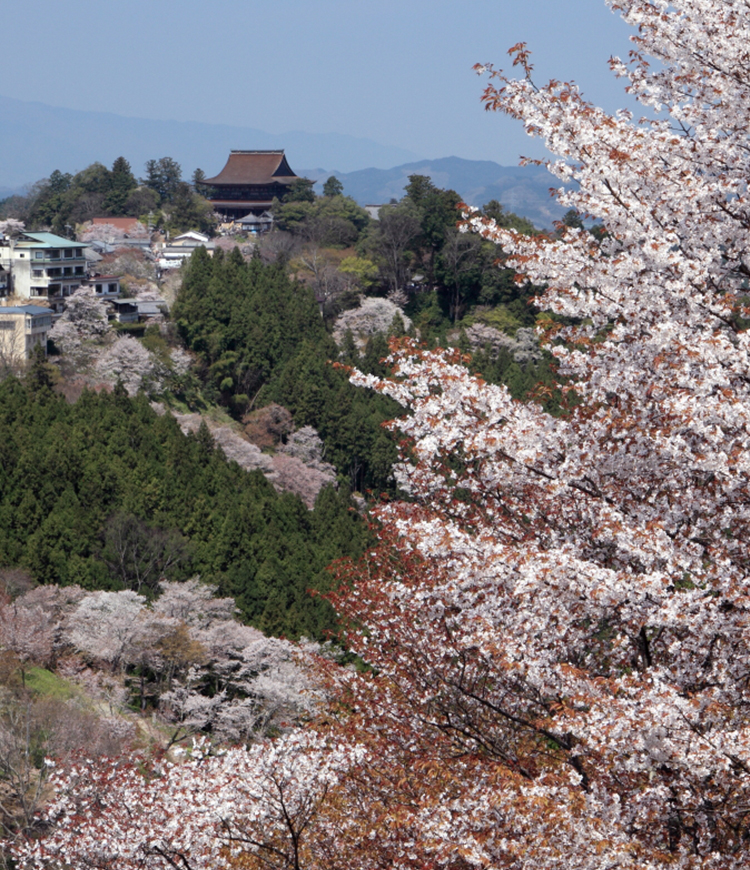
<point x="260" y="338"/>
<point x="557" y="618"/>
<point x="72" y="475"/>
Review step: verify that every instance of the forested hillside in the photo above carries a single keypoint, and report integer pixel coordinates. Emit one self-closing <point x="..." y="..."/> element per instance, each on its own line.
<point x="259" y="337"/>
<point x="106" y="494"/>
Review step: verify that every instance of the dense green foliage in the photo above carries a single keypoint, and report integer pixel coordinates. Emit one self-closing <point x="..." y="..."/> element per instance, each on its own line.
<point x="63" y="201"/>
<point x="163" y="176"/>
<point x="70" y="473"/>
<point x="334" y="220"/>
<point x="260" y="338"/>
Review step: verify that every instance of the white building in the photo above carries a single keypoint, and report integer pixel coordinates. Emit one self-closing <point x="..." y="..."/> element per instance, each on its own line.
<point x="106" y="287"/>
<point x="43" y="267"/>
<point x="22" y="328"/>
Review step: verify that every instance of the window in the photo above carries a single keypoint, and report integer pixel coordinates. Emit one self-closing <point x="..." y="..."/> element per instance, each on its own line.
<point x="113" y="288"/>
<point x="98" y="288"/>
<point x="7" y="324"/>
<point x="38" y="254"/>
<point x="68" y="253"/>
<point x="39" y="291"/>
<point x="37" y="273"/>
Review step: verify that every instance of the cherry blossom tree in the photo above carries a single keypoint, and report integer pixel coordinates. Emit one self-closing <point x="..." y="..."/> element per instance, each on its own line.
<point x="245" y="684"/>
<point x="92" y="232"/>
<point x="238" y="808"/>
<point x="11" y="227"/>
<point x="105" y="232"/>
<point x="105" y="625"/>
<point x="82" y="329"/>
<point x="181" y="361"/>
<point x="559" y="623"/>
<point x="27" y="631"/>
<point x="194" y="603"/>
<point x="128" y="361"/>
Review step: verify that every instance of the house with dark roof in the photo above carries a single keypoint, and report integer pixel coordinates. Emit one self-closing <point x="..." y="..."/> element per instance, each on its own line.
<point x="256" y="224"/>
<point x="249" y="183"/>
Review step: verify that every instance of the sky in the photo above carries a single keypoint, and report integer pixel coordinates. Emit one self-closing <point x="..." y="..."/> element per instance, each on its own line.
<point x="395" y="71"/>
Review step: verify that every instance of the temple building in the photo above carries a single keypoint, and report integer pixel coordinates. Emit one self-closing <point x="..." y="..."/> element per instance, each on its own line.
<point x="249" y="182"/>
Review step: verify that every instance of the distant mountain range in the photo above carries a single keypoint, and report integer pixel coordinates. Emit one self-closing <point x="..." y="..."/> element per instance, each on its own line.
<point x="522" y="189"/>
<point x="36" y="139"/>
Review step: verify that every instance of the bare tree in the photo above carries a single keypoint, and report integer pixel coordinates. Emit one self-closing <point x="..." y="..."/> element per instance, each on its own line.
<point x="21" y="781"/>
<point x="139" y="555"/>
<point x="277" y="245"/>
<point x="398" y="228"/>
<point x="326" y="281"/>
<point x="459" y="255"/>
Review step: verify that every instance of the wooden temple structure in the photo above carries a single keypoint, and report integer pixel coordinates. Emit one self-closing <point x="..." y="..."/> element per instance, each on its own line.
<point x="249" y="182"/>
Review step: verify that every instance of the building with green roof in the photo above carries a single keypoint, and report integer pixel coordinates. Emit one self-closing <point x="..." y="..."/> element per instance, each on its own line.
<point x="44" y="268"/>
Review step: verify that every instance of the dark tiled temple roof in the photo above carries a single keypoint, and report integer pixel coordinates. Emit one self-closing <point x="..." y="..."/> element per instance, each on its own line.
<point x="254" y="167"/>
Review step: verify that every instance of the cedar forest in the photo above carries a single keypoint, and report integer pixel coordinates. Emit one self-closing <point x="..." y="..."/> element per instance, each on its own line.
<point x="509" y="627"/>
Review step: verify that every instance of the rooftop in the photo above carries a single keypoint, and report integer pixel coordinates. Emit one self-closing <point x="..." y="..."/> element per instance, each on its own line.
<point x="254" y="167"/>
<point x="46" y="240"/>
<point x="32" y="310"/>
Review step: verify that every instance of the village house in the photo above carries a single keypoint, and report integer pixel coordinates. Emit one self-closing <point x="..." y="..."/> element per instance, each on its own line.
<point x="180" y="248"/>
<point x="22" y="328"/>
<point x="106" y="287"/>
<point x="44" y="267"/>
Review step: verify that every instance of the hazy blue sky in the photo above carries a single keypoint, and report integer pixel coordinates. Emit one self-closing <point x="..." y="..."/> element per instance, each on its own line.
<point x="397" y="71"/>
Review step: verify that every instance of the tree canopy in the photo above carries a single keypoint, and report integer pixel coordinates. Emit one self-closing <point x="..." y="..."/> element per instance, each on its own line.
<point x="260" y="339"/>
<point x="92" y="493"/>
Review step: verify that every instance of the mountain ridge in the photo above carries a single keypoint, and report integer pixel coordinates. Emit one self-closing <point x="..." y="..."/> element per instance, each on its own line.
<point x="521" y="189"/>
<point x="36" y="138"/>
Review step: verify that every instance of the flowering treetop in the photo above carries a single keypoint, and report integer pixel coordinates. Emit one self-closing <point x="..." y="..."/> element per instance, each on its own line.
<point x="589" y="572"/>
